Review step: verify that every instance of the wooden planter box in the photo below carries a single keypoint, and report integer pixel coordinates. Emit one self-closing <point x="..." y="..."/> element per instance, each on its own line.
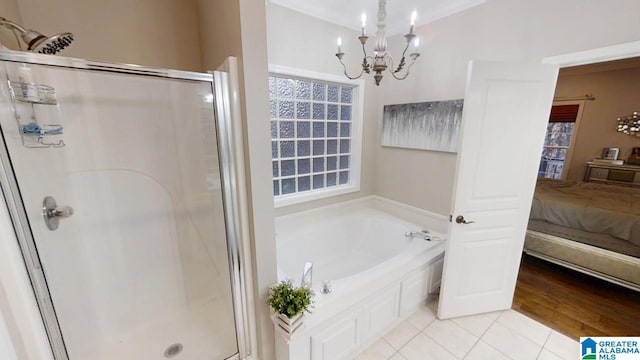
<point x="287" y="326"/>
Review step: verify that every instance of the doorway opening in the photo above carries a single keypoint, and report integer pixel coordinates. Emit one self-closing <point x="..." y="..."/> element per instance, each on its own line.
<point x="569" y="272"/>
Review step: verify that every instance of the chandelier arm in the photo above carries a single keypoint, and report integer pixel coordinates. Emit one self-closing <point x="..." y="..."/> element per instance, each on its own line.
<point x="402" y="60"/>
<point x="390" y="64"/>
<point x="347" y="74"/>
<point x="406" y="73"/>
<point x="365" y="65"/>
<point x="364" y="51"/>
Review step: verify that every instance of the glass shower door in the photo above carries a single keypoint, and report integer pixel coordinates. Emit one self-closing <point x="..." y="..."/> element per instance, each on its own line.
<point x="137" y="267"/>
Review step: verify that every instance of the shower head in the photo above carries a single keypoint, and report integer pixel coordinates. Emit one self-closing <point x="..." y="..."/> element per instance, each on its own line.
<point x="36" y="42"/>
<point x="48" y="45"/>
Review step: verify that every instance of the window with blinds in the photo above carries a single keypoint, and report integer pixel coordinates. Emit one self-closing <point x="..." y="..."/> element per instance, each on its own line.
<point x="560" y="129"/>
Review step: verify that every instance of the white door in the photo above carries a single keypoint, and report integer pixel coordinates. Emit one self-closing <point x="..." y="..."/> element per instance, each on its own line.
<point x="506" y="109"/>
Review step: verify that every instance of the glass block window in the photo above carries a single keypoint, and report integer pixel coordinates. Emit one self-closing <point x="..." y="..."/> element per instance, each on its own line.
<point x="311" y="134"/>
<point x="561" y="127"/>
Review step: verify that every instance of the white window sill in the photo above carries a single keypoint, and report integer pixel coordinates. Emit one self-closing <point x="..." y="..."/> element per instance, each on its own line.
<point x="297" y="198"/>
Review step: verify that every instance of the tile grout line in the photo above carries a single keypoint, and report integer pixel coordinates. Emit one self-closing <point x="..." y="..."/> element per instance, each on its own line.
<point x="518" y="333"/>
<point x="391" y="346"/>
<point x="437" y="343"/>
<point x="491" y="346"/>
<point x="523" y="334"/>
<point x="545" y="343"/>
<point x="420" y="331"/>
<point x="551" y="351"/>
<point x="408" y="341"/>
<point x="498" y="351"/>
<point x="405" y="344"/>
<point x="480" y="338"/>
<point x="397" y="353"/>
<point x="469" y="332"/>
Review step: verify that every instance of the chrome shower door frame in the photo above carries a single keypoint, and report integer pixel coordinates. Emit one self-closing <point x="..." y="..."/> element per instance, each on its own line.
<point x="226" y="154"/>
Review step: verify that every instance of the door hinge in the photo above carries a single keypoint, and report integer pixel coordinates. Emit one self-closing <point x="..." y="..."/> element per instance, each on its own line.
<point x="450" y="217"/>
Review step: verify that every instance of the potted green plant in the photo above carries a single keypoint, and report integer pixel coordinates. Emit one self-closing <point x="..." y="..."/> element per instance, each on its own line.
<point x="289" y="304"/>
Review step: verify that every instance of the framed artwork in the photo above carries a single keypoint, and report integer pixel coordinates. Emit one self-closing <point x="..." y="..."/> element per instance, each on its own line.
<point x="433" y="125"/>
<point x="610" y="153"/>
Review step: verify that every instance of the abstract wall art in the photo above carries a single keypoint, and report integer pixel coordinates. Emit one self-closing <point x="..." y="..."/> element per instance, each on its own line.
<point x="433" y="125"/>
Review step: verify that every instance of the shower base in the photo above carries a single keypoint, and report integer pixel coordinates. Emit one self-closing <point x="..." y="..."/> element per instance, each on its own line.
<point x="201" y="337"/>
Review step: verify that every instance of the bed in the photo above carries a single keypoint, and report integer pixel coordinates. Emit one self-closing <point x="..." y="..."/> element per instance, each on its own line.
<point x="589" y="227"/>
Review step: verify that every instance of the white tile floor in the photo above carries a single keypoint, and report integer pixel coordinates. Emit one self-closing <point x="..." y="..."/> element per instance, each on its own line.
<point x="503" y="335"/>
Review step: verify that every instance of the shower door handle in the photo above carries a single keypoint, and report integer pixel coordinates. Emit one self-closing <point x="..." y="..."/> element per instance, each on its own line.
<point x="52" y="213"/>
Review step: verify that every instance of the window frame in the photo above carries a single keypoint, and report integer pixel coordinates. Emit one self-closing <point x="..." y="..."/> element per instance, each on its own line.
<point x="357" y="116"/>
<point x="574" y="134"/>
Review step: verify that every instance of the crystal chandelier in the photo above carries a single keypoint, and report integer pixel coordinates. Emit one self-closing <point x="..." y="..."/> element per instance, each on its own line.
<point x="630" y="124"/>
<point x="381" y="59"/>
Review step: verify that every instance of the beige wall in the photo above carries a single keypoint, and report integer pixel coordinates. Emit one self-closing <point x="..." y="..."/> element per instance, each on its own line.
<point x="220" y="35"/>
<point x="162" y="33"/>
<point x="237" y="28"/>
<point x="9" y="10"/>
<point x="616" y="95"/>
<point x="299" y="41"/>
<point x="256" y="111"/>
<point x="504" y="30"/>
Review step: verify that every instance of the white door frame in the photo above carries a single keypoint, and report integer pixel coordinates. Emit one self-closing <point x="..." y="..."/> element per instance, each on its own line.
<point x="609" y="53"/>
<point x="586" y="57"/>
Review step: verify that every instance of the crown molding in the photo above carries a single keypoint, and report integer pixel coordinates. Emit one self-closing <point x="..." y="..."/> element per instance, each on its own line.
<point x="347" y="19"/>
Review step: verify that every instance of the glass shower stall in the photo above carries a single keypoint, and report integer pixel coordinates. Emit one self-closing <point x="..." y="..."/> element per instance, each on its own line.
<point x="118" y="192"/>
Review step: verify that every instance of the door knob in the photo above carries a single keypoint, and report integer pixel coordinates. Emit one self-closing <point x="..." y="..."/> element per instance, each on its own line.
<point x="460" y="220"/>
<point x="52" y="213"/>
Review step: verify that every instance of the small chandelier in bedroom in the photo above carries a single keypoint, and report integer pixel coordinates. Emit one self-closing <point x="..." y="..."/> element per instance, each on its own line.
<point x="630" y="124"/>
<point x="381" y="59"/>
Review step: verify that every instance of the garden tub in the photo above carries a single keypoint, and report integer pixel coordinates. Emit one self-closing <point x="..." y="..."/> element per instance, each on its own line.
<point x="377" y="274"/>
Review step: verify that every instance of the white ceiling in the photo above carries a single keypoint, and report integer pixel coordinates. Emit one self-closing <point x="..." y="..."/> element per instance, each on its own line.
<point x="347" y="12"/>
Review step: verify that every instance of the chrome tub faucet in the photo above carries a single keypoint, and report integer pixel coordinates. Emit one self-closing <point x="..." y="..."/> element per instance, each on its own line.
<point x="307" y="275"/>
<point x="422" y="234"/>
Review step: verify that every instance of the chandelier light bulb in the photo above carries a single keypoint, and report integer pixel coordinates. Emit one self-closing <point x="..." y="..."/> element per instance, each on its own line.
<point x="339" y="42"/>
<point x="416" y="42"/>
<point x="414" y="14"/>
<point x="364" y="23"/>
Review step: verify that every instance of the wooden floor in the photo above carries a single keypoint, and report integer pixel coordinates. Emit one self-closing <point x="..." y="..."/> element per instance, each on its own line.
<point x="573" y="303"/>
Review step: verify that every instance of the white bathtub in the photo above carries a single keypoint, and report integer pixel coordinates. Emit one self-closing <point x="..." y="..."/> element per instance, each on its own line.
<point x="377" y="274"/>
<point x="344" y="245"/>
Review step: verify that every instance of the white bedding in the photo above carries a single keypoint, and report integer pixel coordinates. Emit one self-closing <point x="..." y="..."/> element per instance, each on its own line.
<point x="599" y="208"/>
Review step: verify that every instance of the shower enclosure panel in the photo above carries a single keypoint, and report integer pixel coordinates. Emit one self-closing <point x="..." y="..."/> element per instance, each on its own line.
<point x="140" y="268"/>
